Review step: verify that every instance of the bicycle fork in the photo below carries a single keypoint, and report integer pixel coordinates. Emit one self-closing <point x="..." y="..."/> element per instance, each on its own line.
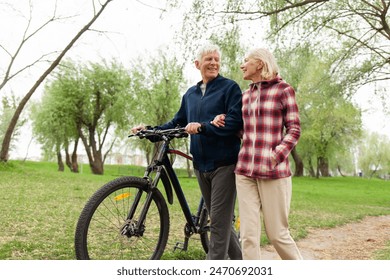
<point x="136" y="227"/>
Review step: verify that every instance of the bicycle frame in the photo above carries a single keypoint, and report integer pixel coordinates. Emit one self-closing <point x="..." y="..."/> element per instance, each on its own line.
<point x="192" y="221"/>
<point x="162" y="167"/>
<point x="129" y="217"/>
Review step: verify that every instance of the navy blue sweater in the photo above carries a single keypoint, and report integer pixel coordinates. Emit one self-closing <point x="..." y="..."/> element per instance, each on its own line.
<point x="213" y="147"/>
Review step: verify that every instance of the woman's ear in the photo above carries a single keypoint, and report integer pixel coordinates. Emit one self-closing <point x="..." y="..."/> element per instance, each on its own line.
<point x="260" y="65"/>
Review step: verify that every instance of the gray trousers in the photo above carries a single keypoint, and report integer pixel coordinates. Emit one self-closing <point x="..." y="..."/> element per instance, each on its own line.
<point x="219" y="192"/>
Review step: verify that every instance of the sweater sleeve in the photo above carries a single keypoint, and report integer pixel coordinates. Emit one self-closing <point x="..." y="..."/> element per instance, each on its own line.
<point x="180" y="118"/>
<point x="233" y="121"/>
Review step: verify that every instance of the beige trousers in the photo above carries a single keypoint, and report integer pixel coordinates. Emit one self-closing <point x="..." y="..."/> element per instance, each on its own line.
<point x="272" y="197"/>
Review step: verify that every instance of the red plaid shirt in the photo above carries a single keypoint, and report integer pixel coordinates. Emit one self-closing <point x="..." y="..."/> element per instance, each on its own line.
<point x="271" y="129"/>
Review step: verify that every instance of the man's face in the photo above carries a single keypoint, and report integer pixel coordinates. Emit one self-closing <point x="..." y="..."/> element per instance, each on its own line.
<point x="208" y="66"/>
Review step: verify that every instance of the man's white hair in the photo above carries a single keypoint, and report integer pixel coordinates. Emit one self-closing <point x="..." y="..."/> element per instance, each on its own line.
<point x="206" y="49"/>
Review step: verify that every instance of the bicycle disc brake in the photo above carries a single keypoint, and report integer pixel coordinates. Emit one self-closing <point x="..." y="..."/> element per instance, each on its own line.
<point x="130" y="229"/>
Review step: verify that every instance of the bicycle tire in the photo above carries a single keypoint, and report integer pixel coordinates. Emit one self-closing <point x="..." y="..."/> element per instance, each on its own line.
<point x="98" y="231"/>
<point x="204" y="224"/>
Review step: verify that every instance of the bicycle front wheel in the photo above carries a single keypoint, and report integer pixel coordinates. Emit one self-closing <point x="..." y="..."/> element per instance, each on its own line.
<point x="108" y="227"/>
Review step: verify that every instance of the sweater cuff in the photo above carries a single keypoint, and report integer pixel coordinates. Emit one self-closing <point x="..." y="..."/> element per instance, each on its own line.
<point x="202" y="128"/>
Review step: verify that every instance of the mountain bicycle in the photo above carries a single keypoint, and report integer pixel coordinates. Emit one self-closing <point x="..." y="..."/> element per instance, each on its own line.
<point x="128" y="218"/>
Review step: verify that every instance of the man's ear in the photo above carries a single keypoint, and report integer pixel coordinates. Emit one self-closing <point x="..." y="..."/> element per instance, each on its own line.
<point x="197" y="64"/>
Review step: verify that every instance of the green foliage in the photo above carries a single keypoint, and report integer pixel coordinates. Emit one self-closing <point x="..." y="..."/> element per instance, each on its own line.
<point x="87" y="102"/>
<point x="330" y="122"/>
<point x="7" y="108"/>
<point x="203" y="24"/>
<point x="105" y="96"/>
<point x="357" y="29"/>
<point x="228" y="41"/>
<point x="374" y="155"/>
<point x="350" y="27"/>
<point x="156" y="86"/>
<point x="53" y="124"/>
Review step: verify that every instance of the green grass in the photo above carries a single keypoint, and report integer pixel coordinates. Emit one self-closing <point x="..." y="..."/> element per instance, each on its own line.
<point x="383" y="254"/>
<point x="39" y="208"/>
<point x="330" y="202"/>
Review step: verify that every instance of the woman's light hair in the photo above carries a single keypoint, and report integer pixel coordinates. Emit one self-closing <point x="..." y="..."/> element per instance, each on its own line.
<point x="270" y="68"/>
<point x="206" y="49"/>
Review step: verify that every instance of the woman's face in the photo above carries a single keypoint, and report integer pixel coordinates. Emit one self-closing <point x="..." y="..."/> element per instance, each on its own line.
<point x="251" y="69"/>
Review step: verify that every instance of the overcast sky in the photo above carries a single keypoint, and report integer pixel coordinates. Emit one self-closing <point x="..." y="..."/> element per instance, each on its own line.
<point x="131" y="29"/>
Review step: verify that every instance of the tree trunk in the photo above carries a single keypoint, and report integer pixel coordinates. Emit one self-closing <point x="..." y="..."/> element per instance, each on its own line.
<point x="311" y="169"/>
<point x="323" y="166"/>
<point x="373" y="171"/>
<point x="60" y="163"/>
<point x="94" y="155"/>
<point x="339" y="169"/>
<point x="75" y="164"/>
<point x="4" y="153"/>
<point x="298" y="163"/>
<point x="67" y="159"/>
<point x="97" y="166"/>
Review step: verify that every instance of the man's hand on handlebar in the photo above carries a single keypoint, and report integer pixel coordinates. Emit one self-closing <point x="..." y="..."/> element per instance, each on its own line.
<point x="193" y="128"/>
<point x="137" y="128"/>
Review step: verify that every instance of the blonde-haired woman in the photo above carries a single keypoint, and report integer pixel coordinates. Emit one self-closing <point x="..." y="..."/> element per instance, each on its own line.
<point x="263" y="176"/>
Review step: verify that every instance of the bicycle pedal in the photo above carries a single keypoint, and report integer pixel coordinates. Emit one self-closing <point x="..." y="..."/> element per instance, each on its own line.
<point x="179" y="245"/>
<point x="183" y="246"/>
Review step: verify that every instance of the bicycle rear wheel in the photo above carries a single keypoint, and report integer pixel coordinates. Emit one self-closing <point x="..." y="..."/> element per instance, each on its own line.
<point x="204" y="224"/>
<point x="105" y="231"/>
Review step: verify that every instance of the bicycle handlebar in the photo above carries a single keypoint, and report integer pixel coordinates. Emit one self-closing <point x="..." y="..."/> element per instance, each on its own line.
<point x="151" y="134"/>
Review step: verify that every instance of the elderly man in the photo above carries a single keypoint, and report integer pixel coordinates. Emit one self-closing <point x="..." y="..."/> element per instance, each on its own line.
<point x="214" y="149"/>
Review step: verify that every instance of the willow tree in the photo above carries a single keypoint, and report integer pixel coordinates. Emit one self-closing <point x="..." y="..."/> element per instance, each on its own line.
<point x="358" y="28"/>
<point x="93" y="101"/>
<point x="374" y="155"/>
<point x="330" y="122"/>
<point x="53" y="123"/>
<point x="157" y="85"/>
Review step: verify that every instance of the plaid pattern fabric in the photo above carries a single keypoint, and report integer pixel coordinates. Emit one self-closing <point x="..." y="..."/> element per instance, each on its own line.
<point x="271" y="129"/>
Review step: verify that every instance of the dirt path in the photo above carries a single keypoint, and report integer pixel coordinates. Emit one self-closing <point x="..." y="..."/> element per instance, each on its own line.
<point x="355" y="241"/>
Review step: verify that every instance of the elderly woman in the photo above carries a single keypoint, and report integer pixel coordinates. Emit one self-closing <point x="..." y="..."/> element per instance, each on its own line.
<point x="263" y="176"/>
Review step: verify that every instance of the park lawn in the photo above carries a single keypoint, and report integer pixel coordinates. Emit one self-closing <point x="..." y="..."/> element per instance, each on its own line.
<point x="40" y="206"/>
